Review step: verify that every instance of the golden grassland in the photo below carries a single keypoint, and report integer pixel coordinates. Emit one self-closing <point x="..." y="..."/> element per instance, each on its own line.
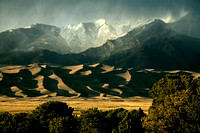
<point x="26" y="106"/>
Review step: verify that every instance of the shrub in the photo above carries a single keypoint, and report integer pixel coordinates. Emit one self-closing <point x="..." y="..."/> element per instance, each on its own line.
<point x="176" y="105"/>
<point x="113" y="118"/>
<point x="131" y="123"/>
<point x="50" y="110"/>
<point x="63" y="125"/>
<point x="5" y="122"/>
<point x="92" y="121"/>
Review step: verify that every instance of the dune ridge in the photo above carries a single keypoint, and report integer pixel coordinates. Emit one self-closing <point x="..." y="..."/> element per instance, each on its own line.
<point x="97" y="81"/>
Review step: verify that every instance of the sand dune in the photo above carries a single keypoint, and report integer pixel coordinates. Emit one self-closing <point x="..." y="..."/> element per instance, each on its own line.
<point x="89" y="88"/>
<point x="1" y="76"/>
<point x="86" y="72"/>
<point x="107" y="68"/>
<point x="34" y="69"/>
<point x="125" y="75"/>
<point x="11" y="69"/>
<point x="43" y="66"/>
<point x="175" y="71"/>
<point x="194" y="74"/>
<point x="117" y="90"/>
<point x="40" y="85"/>
<point x="101" y="95"/>
<point x="62" y="85"/>
<point x="118" y="68"/>
<point x="120" y="85"/>
<point x="130" y="69"/>
<point x="105" y="85"/>
<point x="108" y="83"/>
<point x="18" y="92"/>
<point x="94" y="65"/>
<point x="74" y="69"/>
<point x="149" y="70"/>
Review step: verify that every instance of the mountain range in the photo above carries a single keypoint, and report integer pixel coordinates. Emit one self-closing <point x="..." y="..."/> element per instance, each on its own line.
<point x="63" y="40"/>
<point x="34" y="63"/>
<point x="153" y="45"/>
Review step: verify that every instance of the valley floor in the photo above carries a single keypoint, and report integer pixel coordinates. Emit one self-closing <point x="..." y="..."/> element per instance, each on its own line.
<point x="27" y="105"/>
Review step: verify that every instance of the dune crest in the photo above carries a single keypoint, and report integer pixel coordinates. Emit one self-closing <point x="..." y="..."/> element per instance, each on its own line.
<point x="117" y="90"/>
<point x="74" y="69"/>
<point x="18" y="92"/>
<point x="11" y="69"/>
<point x="105" y="85"/>
<point x="94" y="65"/>
<point x="86" y="72"/>
<point x="62" y="85"/>
<point x="107" y="68"/>
<point x="34" y="69"/>
<point x="1" y="76"/>
<point x="40" y="85"/>
<point x="125" y="75"/>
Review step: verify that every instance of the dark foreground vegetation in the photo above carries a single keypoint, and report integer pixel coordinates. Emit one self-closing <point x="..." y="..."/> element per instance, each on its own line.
<point x="175" y="108"/>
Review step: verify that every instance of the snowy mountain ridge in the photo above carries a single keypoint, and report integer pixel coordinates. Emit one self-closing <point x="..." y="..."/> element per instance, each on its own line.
<point x="88" y="34"/>
<point x="62" y="40"/>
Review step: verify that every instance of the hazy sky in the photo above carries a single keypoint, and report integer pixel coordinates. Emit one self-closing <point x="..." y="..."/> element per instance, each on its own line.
<point x="21" y="13"/>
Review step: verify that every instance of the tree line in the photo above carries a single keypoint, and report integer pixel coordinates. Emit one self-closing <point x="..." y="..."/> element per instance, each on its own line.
<point x="175" y="108"/>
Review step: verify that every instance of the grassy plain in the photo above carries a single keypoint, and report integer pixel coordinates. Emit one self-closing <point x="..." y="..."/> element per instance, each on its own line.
<point x="26" y="106"/>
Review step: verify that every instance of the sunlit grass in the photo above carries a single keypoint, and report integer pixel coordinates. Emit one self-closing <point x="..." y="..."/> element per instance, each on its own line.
<point x="78" y="105"/>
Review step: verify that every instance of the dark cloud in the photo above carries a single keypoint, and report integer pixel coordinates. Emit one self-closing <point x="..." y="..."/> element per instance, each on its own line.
<point x="20" y="13"/>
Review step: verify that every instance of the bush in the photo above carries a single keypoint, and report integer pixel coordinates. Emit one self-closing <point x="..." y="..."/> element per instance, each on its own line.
<point x="114" y="117"/>
<point x="63" y="125"/>
<point x="131" y="123"/>
<point x="176" y="105"/>
<point x="92" y="121"/>
<point x="5" y="122"/>
<point x="50" y="110"/>
<point x="56" y="117"/>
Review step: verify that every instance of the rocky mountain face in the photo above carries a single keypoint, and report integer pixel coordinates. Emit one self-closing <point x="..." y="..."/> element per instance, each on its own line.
<point x="34" y="37"/>
<point x="86" y="35"/>
<point x="70" y="39"/>
<point x="154" y="45"/>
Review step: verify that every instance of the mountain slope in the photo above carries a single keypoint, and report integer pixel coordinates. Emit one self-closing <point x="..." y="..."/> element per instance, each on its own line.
<point x="154" y="45"/>
<point x="88" y="34"/>
<point x="70" y="39"/>
<point x="34" y="37"/>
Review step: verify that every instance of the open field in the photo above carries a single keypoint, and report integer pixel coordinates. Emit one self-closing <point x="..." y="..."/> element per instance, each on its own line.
<point x="19" y="106"/>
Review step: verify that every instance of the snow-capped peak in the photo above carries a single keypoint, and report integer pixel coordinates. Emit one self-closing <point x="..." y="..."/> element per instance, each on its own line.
<point x="75" y="27"/>
<point x="100" y="22"/>
<point x="89" y="34"/>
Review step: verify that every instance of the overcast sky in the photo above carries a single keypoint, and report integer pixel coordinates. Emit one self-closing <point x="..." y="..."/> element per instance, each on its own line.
<point x="21" y="13"/>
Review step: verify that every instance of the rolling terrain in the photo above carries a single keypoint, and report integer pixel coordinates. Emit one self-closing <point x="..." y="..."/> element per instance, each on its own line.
<point x="96" y="81"/>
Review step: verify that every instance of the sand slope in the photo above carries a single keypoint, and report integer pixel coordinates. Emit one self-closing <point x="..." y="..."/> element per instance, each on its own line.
<point x="97" y="81"/>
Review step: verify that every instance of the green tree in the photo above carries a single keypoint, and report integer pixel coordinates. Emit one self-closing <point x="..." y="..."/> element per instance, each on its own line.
<point x="176" y="105"/>
<point x="113" y="118"/>
<point x="48" y="111"/>
<point x="5" y="122"/>
<point x="92" y="121"/>
<point x="131" y="123"/>
<point x="63" y="125"/>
